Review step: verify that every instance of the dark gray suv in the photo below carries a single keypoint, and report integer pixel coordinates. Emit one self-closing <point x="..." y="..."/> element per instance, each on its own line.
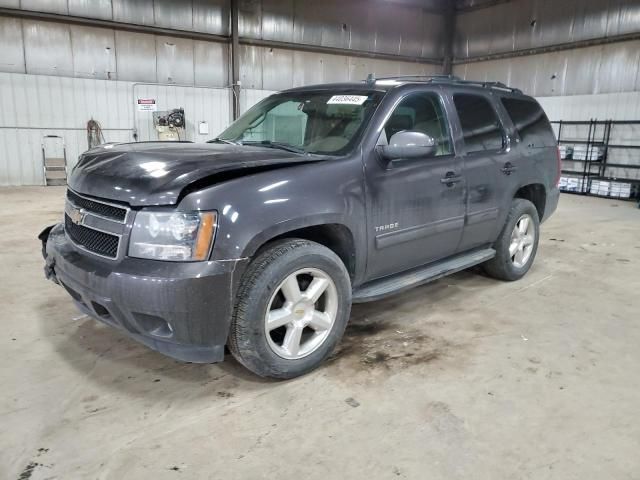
<point x="315" y="198"/>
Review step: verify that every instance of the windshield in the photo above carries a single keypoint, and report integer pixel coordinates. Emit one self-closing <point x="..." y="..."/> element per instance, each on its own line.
<point x="306" y="122"/>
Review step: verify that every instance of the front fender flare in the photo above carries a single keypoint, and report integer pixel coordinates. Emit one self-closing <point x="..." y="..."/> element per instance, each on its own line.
<point x="289" y="225"/>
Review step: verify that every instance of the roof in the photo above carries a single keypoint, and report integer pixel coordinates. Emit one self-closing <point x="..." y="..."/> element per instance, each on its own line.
<point x="387" y="83"/>
<point x="362" y="85"/>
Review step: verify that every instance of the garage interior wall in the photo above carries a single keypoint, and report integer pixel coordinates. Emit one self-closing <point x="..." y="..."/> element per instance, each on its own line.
<point x="580" y="58"/>
<point x="64" y="62"/>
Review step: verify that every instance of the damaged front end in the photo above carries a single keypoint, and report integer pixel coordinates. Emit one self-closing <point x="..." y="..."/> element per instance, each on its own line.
<point x="154" y="306"/>
<point x="49" y="270"/>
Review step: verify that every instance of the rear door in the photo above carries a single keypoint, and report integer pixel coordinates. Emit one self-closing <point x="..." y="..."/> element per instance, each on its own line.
<point x="534" y="141"/>
<point x="488" y="165"/>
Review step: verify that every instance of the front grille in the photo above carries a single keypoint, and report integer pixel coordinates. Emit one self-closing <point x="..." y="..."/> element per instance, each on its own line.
<point x="98" y="208"/>
<point x="95" y="241"/>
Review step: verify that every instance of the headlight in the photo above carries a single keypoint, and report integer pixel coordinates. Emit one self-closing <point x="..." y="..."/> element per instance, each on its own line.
<point x="173" y="236"/>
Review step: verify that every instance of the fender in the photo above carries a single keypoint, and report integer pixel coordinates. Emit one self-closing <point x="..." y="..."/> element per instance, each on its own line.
<point x="255" y="209"/>
<point x="288" y="226"/>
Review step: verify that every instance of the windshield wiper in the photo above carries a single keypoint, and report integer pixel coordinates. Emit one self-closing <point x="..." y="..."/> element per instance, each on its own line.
<point x="222" y="140"/>
<point x="269" y="144"/>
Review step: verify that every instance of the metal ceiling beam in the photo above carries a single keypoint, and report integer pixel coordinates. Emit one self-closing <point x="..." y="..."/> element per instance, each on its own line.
<point x="95" y="22"/>
<point x="436" y="7"/>
<point x="130" y="27"/>
<point x="480" y="6"/>
<point x="305" y="47"/>
<point x="550" y="48"/>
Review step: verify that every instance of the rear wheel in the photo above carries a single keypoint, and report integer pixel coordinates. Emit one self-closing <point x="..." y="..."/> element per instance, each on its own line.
<point x="517" y="244"/>
<point x="293" y="305"/>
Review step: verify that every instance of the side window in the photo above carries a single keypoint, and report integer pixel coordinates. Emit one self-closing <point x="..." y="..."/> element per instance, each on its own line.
<point x="479" y="121"/>
<point x="530" y="122"/>
<point x="421" y="112"/>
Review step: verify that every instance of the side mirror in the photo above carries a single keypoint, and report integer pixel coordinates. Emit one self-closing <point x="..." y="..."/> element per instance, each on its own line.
<point x="409" y="144"/>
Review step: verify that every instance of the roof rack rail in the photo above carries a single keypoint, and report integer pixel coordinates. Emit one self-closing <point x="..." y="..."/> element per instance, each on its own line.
<point x="429" y="77"/>
<point x="440" y="78"/>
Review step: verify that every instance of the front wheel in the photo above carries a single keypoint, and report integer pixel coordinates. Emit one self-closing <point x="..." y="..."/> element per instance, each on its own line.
<point x="517" y="244"/>
<point x="293" y="305"/>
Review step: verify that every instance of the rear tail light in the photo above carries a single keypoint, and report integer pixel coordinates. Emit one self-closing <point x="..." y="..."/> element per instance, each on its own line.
<point x="559" y="173"/>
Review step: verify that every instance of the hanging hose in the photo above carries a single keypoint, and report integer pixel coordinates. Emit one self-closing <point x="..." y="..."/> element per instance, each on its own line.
<point x="95" y="136"/>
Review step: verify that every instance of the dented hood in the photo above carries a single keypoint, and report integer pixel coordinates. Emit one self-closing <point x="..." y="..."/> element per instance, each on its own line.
<point x="155" y="173"/>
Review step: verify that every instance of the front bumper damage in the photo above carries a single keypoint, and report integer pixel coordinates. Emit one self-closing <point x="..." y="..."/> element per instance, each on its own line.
<point x="49" y="272"/>
<point x="182" y="310"/>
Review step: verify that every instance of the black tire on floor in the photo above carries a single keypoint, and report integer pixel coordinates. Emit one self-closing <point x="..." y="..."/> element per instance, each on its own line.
<point x="502" y="266"/>
<point x="248" y="333"/>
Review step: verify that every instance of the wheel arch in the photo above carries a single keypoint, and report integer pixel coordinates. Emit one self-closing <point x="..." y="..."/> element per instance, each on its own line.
<point x="536" y="194"/>
<point x="329" y="232"/>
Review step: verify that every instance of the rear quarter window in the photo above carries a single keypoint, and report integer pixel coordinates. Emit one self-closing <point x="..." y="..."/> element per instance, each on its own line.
<point x="530" y="121"/>
<point x="481" y="127"/>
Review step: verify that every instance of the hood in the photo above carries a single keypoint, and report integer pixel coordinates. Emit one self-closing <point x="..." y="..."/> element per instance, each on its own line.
<point x="155" y="173"/>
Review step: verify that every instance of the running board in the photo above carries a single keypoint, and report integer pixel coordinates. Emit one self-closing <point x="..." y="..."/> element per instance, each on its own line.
<point x="378" y="289"/>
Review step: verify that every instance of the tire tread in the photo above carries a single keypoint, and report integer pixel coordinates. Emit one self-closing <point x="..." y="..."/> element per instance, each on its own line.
<point x="500" y="266"/>
<point x="241" y="327"/>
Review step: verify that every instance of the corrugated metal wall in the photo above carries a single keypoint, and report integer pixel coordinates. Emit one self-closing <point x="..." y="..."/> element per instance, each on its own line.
<point x="524" y="24"/>
<point x="383" y="27"/>
<point x="86" y="72"/>
<point x="608" y="68"/>
<point x="206" y="16"/>
<point x="57" y="76"/>
<point x="277" y="69"/>
<point x="608" y="106"/>
<point x="37" y="105"/>
<point x="593" y="82"/>
<point x="48" y="48"/>
<point x="251" y="96"/>
<point x="532" y="24"/>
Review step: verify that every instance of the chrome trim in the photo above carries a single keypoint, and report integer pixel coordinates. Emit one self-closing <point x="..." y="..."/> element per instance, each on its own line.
<point x="69" y="204"/>
<point x="115" y="205"/>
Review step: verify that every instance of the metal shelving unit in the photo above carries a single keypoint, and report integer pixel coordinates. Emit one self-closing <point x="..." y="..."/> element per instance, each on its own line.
<point x="608" y="153"/>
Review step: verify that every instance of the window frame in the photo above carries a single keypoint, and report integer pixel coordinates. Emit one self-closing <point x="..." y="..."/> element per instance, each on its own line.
<point x="440" y="95"/>
<point x="515" y="132"/>
<point x="378" y="97"/>
<point x="489" y="97"/>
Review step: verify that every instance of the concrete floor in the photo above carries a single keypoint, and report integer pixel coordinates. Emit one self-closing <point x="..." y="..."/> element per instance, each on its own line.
<point x="463" y="378"/>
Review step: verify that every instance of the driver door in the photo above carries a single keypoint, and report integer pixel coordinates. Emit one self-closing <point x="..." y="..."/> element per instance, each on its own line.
<point x="416" y="206"/>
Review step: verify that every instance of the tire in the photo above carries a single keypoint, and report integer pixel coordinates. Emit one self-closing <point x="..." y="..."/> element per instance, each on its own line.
<point x="256" y="338"/>
<point x="506" y="265"/>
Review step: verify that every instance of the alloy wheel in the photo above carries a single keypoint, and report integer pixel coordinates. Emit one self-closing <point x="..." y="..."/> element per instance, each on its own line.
<point x="522" y="240"/>
<point x="301" y="313"/>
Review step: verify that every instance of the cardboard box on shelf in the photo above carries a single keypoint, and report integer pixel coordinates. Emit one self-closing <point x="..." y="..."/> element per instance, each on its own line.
<point x="565" y="151"/>
<point x="582" y="152"/>
<point x="575" y="185"/>
<point x="620" y="190"/>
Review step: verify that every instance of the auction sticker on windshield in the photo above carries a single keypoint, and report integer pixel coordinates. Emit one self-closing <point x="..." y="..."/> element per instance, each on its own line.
<point x="348" y="99"/>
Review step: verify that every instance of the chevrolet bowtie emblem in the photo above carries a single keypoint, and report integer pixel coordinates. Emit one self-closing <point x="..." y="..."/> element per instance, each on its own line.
<point x="77" y="215"/>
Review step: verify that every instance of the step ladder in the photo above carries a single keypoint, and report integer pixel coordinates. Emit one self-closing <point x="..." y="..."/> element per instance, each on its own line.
<point x="54" y="160"/>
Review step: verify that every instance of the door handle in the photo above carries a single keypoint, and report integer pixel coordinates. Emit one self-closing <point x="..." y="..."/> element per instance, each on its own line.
<point x="451" y="178"/>
<point x="508" y="168"/>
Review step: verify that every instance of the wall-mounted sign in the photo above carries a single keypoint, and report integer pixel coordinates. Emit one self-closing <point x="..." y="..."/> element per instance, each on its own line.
<point x="147" y="105"/>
